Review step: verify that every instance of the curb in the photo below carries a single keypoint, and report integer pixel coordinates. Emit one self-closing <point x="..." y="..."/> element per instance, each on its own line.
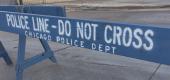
<point x="71" y="6"/>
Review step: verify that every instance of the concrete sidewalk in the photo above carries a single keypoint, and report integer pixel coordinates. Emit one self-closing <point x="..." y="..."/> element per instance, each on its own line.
<point x="114" y="4"/>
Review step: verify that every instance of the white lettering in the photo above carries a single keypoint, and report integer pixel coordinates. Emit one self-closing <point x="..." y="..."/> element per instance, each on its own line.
<point x="137" y="33"/>
<point x="107" y="40"/>
<point x="127" y="31"/>
<point x="148" y="35"/>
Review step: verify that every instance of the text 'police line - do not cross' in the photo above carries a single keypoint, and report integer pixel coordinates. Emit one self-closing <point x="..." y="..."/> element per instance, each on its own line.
<point x="136" y="41"/>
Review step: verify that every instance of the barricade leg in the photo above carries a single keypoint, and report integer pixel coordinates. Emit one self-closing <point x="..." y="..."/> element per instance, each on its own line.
<point x="48" y="49"/>
<point x="4" y="55"/>
<point x="21" y="55"/>
<point x="23" y="64"/>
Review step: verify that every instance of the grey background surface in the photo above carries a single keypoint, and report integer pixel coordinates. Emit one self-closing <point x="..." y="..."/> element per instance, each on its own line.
<point x="82" y="64"/>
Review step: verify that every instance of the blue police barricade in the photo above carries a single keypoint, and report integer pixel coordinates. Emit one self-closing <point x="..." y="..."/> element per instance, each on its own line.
<point x="21" y="62"/>
<point x="137" y="41"/>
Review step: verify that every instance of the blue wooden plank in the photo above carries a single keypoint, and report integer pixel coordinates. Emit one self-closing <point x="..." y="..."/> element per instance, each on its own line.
<point x="38" y="58"/>
<point x="35" y="9"/>
<point x="11" y="8"/>
<point x="45" y="10"/>
<point x="136" y="41"/>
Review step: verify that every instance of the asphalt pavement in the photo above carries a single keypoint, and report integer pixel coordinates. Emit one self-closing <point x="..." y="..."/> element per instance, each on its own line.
<point x="83" y="64"/>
